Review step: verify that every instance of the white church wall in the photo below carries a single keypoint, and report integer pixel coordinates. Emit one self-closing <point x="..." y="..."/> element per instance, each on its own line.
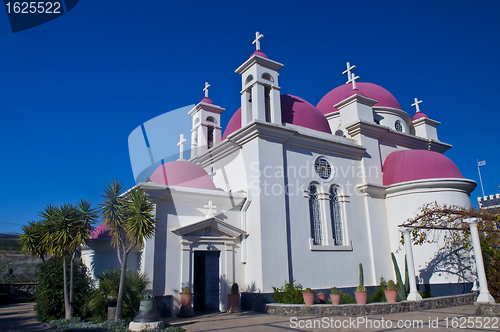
<point x="331" y="267"/>
<point x="403" y="202"/>
<point x="389" y="117"/>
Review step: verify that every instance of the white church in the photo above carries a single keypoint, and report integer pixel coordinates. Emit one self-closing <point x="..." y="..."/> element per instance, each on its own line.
<point x="289" y="190"/>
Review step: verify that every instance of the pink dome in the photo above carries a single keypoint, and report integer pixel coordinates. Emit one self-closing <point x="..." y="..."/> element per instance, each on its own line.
<point x="383" y="97"/>
<point x="101" y="232"/>
<point x="411" y="165"/>
<point x="294" y="110"/>
<point x="419" y="115"/>
<point x="183" y="174"/>
<point x="207" y="101"/>
<point x="259" y="53"/>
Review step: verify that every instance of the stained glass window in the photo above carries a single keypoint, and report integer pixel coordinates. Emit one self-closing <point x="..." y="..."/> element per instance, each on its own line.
<point x="335" y="215"/>
<point x="314" y="215"/>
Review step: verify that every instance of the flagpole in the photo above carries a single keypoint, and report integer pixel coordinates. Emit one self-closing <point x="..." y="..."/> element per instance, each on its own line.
<point x="480" y="179"/>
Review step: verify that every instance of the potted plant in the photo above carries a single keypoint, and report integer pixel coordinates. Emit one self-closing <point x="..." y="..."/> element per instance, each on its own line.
<point x="233" y="298"/>
<point x="335" y="295"/>
<point x="186" y="297"/>
<point x="361" y="293"/>
<point x="308" y="295"/>
<point x="391" y="293"/>
<point x="322" y="297"/>
<point x="186" y="300"/>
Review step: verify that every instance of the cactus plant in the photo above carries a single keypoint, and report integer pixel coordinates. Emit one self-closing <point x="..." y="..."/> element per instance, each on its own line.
<point x="335" y="290"/>
<point x="186" y="290"/>
<point x="400" y="286"/>
<point x="307" y="290"/>
<point x="361" y="287"/>
<point x="235" y="289"/>
<point x="391" y="285"/>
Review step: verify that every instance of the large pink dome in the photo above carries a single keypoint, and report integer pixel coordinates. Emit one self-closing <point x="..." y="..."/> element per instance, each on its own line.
<point x="294" y="110"/>
<point x="383" y="97"/>
<point x="183" y="174"/>
<point x="411" y="165"/>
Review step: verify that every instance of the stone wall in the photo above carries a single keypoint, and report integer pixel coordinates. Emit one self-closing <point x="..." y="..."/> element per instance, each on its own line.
<point x="368" y="309"/>
<point x="19" y="292"/>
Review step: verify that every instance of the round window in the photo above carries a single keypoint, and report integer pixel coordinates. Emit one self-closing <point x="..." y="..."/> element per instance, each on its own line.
<point x="323" y="168"/>
<point x="398" y="126"/>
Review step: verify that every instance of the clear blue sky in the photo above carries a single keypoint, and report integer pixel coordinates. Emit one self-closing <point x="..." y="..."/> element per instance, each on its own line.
<point x="73" y="89"/>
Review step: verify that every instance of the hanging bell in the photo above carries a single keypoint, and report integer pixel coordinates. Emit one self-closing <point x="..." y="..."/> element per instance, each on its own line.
<point x="147" y="310"/>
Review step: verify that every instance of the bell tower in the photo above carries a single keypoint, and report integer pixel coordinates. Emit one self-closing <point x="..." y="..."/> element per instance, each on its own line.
<point x="206" y="129"/>
<point x="260" y="93"/>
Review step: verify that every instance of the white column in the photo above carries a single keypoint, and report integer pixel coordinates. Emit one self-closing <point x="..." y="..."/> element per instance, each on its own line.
<point x="258" y="102"/>
<point x="414" y="295"/>
<point x="484" y="294"/>
<point x="246" y="111"/>
<point x="186" y="264"/>
<point x="275" y="105"/>
<point x="229" y="246"/>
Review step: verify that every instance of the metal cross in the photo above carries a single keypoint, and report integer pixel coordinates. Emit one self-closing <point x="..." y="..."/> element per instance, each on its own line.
<point x="353" y="80"/>
<point x="181" y="145"/>
<point x="348" y="71"/>
<point x="207" y="86"/>
<point x="416" y="104"/>
<point x="211" y="209"/>
<point x="256" y="42"/>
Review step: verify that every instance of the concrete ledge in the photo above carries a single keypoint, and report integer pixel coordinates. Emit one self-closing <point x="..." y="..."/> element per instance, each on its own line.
<point x="367" y="309"/>
<point x="492" y="310"/>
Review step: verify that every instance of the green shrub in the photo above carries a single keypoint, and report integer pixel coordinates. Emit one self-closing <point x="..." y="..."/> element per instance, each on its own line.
<point x="77" y="325"/>
<point x="347" y="299"/>
<point x="109" y="281"/>
<point x="49" y="294"/>
<point x="290" y="292"/>
<point x="377" y="296"/>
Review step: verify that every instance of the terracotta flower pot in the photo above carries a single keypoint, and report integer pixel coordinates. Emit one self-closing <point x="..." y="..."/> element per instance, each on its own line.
<point x="308" y="297"/>
<point x="233" y="300"/>
<point x="391" y="295"/>
<point x="322" y="298"/>
<point x="186" y="299"/>
<point x="361" y="297"/>
<point x="335" y="298"/>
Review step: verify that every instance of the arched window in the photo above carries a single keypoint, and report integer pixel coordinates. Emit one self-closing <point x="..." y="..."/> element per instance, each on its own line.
<point x="268" y="77"/>
<point x="335" y="215"/>
<point x="249" y="79"/>
<point x="315" y="215"/>
<point x="210" y="136"/>
<point x="211" y="119"/>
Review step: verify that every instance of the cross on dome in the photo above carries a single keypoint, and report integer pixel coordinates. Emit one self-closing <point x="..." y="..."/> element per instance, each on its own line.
<point x="416" y="104"/>
<point x="182" y="140"/>
<point x="256" y="42"/>
<point x="348" y="71"/>
<point x="207" y="86"/>
<point x="353" y="80"/>
<point x="211" y="208"/>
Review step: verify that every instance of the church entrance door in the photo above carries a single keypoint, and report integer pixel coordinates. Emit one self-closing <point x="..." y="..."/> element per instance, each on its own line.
<point x="206" y="280"/>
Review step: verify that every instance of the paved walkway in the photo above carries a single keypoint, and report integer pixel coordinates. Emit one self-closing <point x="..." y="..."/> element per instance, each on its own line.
<point x="248" y="321"/>
<point x="21" y="317"/>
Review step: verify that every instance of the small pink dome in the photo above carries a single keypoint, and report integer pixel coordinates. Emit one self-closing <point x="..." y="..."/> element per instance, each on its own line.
<point x="183" y="174"/>
<point x="411" y="165"/>
<point x="294" y="110"/>
<point x="259" y="53"/>
<point x="207" y="101"/>
<point x="101" y="232"/>
<point x="383" y="97"/>
<point x="419" y="115"/>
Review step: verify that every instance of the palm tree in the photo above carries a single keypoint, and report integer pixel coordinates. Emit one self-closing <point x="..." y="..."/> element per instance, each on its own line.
<point x="129" y="216"/>
<point x="32" y="240"/>
<point x="81" y="231"/>
<point x="61" y="221"/>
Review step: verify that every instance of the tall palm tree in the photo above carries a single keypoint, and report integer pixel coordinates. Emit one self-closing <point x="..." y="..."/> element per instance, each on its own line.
<point x="129" y="216"/>
<point x="81" y="231"/>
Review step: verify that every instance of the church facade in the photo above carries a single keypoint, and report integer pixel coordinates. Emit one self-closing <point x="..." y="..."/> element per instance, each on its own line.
<point x="292" y="191"/>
